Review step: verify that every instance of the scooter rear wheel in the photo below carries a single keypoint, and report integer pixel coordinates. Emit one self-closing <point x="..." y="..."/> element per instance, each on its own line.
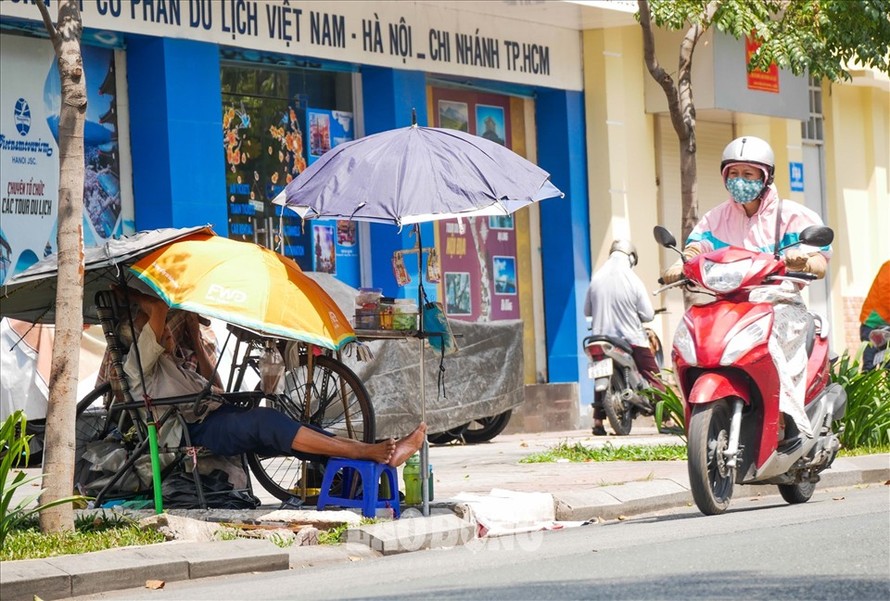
<point x="710" y="479"/>
<point x="797" y="493"/>
<point x="619" y="412"/>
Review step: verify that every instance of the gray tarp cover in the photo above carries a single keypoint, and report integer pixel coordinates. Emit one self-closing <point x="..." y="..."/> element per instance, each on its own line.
<point x="31" y="295"/>
<point x="482" y="379"/>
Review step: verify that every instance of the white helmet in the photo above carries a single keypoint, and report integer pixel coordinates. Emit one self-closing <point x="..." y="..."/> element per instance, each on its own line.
<point x="749" y="149"/>
<point x="626" y="247"/>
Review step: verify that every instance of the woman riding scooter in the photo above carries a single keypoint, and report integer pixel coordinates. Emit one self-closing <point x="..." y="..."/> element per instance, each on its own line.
<point x="754" y="218"/>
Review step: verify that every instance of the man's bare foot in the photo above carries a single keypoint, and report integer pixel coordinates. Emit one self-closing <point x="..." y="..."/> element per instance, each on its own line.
<point x="408" y="445"/>
<point x="381" y="452"/>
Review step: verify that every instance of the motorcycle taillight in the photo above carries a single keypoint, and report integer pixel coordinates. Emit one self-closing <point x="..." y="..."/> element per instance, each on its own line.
<point x="879" y="337"/>
<point x="595" y="352"/>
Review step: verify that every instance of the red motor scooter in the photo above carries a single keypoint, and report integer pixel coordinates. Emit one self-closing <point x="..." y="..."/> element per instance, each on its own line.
<point x="730" y="385"/>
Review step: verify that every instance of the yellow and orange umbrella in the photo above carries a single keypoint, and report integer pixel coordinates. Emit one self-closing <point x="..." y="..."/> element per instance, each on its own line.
<point x="247" y="285"/>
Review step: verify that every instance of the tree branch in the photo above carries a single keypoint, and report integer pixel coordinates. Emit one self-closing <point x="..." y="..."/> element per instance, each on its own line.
<point x="658" y="73"/>
<point x="48" y="24"/>
<point x="684" y="74"/>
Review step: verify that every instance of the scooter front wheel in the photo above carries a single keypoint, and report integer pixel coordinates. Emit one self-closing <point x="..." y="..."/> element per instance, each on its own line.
<point x="710" y="479"/>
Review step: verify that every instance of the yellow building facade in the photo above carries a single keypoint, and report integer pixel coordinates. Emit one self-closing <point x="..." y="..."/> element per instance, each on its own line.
<point x="634" y="169"/>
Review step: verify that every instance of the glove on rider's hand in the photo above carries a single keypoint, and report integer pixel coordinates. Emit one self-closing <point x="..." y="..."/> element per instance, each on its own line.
<point x="795" y="260"/>
<point x="674" y="273"/>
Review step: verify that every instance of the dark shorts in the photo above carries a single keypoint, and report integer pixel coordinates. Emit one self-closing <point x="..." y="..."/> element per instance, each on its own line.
<point x="232" y="431"/>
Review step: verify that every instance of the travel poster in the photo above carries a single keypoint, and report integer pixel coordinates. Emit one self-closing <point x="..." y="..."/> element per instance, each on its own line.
<point x="325" y="253"/>
<point x="328" y="129"/>
<point x="30" y="100"/>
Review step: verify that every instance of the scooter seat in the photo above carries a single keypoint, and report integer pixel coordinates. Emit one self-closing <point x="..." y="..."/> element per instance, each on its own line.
<point x="620" y="343"/>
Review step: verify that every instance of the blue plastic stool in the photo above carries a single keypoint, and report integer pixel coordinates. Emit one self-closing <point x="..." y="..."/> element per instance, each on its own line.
<point x="370" y="473"/>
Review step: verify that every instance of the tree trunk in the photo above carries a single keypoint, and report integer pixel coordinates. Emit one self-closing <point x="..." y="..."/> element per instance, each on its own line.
<point x="58" y="458"/>
<point x="688" y="188"/>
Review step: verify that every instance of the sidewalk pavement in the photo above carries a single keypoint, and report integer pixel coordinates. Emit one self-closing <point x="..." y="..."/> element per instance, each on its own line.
<point x="479" y="490"/>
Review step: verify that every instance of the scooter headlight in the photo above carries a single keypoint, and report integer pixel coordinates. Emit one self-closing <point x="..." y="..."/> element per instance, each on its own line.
<point x="750" y="336"/>
<point x="684" y="344"/>
<point x="724" y="277"/>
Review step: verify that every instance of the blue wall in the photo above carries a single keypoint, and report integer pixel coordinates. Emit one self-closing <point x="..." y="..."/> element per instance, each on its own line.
<point x="565" y="236"/>
<point x="176" y="133"/>
<point x="389" y="95"/>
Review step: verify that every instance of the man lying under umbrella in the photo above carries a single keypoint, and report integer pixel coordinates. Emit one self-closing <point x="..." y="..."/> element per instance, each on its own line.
<point x="224" y="429"/>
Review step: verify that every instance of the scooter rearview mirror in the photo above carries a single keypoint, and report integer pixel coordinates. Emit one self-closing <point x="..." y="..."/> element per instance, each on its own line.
<point x="664" y="237"/>
<point x="817" y="235"/>
<point x="814" y="235"/>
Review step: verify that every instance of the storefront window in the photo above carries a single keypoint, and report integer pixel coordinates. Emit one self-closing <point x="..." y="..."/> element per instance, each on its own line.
<point x="276" y="122"/>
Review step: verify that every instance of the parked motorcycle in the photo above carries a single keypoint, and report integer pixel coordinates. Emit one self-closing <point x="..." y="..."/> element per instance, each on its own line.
<point x="730" y="384"/>
<point x="617" y="382"/>
<point x="880" y="339"/>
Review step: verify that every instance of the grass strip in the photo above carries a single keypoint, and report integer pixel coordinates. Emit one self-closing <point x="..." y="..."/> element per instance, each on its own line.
<point x="579" y="453"/>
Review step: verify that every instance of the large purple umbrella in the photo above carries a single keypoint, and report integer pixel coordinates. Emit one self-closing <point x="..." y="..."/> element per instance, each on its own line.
<point x="414" y="175"/>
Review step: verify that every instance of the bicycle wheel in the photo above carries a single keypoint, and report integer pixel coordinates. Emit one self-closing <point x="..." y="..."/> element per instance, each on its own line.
<point x="338" y="403"/>
<point x="91" y="422"/>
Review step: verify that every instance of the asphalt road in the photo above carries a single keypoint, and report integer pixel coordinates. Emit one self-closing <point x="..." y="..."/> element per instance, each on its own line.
<point x="837" y="546"/>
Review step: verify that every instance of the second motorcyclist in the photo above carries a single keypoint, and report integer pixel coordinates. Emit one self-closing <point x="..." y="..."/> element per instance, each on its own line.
<point x="617" y="304"/>
<point x="755" y="217"/>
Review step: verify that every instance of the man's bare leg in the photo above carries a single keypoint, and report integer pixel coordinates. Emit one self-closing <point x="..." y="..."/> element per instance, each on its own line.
<point x="393" y="452"/>
<point x="408" y="445"/>
<point x="308" y="440"/>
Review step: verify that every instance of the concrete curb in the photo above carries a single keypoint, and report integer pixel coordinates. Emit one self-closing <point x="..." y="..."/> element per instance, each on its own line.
<point x="116" y="569"/>
<point x="129" y="567"/>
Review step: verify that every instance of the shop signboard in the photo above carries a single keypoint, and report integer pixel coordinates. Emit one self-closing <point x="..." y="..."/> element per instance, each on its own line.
<point x="765" y="81"/>
<point x="30" y="97"/>
<point x="449" y="38"/>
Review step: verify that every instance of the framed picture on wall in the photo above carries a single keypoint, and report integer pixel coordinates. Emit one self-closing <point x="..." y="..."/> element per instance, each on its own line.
<point x="490" y="123"/>
<point x="504" y="274"/>
<point x="458" y="299"/>
<point x="454" y="115"/>
<point x="500" y="222"/>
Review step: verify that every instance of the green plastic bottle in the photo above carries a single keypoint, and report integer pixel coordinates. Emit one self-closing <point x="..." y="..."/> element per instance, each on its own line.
<point x="411" y="476"/>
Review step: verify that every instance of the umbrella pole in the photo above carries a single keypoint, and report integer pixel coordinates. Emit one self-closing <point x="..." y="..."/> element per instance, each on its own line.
<point x="150" y="418"/>
<point x="425" y="448"/>
<point x="155" y="465"/>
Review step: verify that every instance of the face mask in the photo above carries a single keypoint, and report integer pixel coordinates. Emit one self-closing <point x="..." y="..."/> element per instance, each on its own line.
<point x="744" y="190"/>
